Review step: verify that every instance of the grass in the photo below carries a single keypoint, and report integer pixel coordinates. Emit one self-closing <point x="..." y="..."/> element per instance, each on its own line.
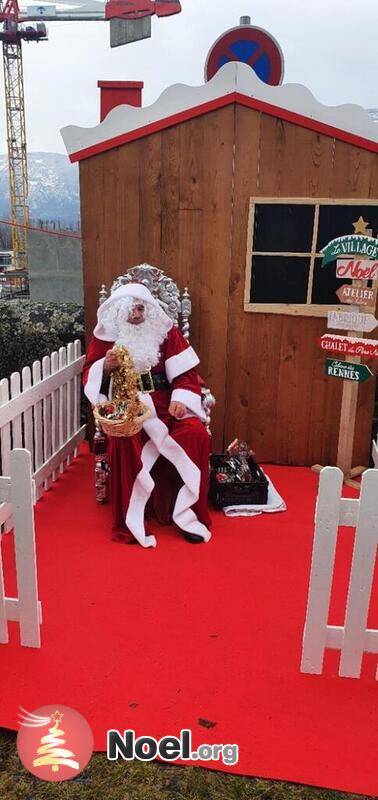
<point x="104" y="780"/>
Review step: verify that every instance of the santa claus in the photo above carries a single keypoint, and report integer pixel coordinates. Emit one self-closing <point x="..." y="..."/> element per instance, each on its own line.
<point x="162" y="471"/>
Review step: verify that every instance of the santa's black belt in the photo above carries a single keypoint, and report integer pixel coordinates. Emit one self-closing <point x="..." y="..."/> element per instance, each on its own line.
<point x="152" y="381"/>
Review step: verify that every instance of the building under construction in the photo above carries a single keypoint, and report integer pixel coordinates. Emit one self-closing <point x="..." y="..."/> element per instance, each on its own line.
<point x="12" y="36"/>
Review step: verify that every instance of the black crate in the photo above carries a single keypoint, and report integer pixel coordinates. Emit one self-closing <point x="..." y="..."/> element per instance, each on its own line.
<point x="254" y="492"/>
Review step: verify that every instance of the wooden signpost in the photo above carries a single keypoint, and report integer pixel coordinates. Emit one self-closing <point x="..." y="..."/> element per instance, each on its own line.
<point x="357" y="270"/>
<point x="351" y="320"/>
<point x="347" y="370"/>
<point x="357" y="259"/>
<point x="353" y="246"/>
<point x="349" y="346"/>
<point x="358" y="295"/>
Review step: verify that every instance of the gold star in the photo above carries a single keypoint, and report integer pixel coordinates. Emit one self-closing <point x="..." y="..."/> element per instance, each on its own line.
<point x="57" y="717"/>
<point x="361" y="227"/>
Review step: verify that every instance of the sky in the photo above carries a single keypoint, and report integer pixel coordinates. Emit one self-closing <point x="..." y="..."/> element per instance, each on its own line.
<point x="330" y="46"/>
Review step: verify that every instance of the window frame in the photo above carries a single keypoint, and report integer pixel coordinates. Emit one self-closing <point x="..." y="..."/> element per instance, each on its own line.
<point x="307" y="309"/>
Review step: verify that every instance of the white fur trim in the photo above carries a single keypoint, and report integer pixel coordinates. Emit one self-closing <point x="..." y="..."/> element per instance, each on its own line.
<point x="183" y="514"/>
<point x="143" y="486"/>
<point x="93" y="384"/>
<point x="182" y="362"/>
<point x="191" y="400"/>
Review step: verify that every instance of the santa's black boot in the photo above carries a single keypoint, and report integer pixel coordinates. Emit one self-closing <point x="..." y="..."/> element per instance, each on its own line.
<point x="193" y="538"/>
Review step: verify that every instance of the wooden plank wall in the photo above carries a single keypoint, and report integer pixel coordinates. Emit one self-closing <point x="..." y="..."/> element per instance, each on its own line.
<point x="166" y="199"/>
<point x="277" y="395"/>
<point x="179" y="200"/>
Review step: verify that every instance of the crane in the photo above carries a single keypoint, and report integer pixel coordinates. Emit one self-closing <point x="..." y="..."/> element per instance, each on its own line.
<point x="12" y="36"/>
<point x="130" y="20"/>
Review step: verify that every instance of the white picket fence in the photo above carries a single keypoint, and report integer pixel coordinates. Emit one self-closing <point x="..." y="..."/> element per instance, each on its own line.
<point x="353" y="639"/>
<point x="40" y="412"/>
<point x="17" y="492"/>
<point x="374" y="453"/>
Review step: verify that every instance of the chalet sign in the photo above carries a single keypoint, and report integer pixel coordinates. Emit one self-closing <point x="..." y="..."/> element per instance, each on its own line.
<point x="357" y="295"/>
<point x="351" y="321"/>
<point x="347" y="371"/>
<point x="357" y="269"/>
<point x="351" y="346"/>
<point x="351" y="245"/>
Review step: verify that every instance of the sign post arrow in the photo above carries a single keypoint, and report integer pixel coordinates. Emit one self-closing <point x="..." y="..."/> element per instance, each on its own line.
<point x="357" y="295"/>
<point x="347" y="345"/>
<point x="357" y="270"/>
<point x="346" y="370"/>
<point x="351" y="321"/>
<point x="353" y="244"/>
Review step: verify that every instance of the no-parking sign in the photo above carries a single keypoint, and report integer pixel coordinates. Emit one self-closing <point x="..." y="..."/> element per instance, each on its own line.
<point x="252" y="46"/>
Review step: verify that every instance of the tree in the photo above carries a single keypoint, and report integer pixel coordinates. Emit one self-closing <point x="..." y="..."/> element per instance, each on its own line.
<point x="50" y="751"/>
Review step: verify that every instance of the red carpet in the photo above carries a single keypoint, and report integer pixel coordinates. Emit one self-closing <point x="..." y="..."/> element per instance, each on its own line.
<point x="155" y="640"/>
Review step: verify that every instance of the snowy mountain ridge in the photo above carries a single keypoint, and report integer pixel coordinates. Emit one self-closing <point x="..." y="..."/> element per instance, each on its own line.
<point x="373" y="113"/>
<point x="53" y="188"/>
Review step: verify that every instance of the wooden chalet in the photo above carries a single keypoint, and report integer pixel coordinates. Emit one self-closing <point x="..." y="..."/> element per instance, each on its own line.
<point x="232" y="188"/>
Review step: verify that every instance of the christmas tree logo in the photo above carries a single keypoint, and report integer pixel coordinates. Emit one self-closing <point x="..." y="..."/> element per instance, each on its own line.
<point x="51" y="753"/>
<point x="55" y="743"/>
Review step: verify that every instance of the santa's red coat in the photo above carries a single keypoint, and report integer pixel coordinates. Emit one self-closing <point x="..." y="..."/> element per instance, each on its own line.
<point x="164" y="470"/>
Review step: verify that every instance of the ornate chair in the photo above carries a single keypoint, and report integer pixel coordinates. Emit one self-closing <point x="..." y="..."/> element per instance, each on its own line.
<point x="179" y="310"/>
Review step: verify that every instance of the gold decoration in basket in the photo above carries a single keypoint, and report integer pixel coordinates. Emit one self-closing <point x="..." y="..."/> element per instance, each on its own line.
<point x="124" y="415"/>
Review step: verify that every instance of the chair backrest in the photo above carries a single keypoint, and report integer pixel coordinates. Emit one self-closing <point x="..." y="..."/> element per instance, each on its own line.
<point x="162" y="287"/>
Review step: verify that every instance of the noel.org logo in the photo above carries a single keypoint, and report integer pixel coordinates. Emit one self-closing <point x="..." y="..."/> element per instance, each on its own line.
<point x="54" y="743"/>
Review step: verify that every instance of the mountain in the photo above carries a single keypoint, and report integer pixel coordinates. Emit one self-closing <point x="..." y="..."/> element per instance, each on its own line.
<point x="373" y="113"/>
<point x="53" y="188"/>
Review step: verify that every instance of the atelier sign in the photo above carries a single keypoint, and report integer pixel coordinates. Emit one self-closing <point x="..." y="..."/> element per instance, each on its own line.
<point x="357" y="295"/>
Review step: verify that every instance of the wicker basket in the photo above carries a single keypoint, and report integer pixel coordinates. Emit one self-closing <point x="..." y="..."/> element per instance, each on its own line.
<point x="121" y="427"/>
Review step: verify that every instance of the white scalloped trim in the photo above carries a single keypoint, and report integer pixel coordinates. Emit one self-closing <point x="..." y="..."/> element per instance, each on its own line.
<point x="233" y="77"/>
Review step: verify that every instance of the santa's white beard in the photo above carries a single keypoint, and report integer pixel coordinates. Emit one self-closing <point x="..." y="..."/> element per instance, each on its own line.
<point x="143" y="343"/>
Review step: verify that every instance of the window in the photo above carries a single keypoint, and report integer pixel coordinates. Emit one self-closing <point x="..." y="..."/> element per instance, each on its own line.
<point x="5" y="259"/>
<point x="285" y="236"/>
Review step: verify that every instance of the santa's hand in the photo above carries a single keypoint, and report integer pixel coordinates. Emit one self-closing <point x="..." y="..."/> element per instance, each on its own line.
<point x="112" y="361"/>
<point x="177" y="410"/>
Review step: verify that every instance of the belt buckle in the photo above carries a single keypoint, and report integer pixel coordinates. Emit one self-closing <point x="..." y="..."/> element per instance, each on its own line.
<point x="151" y="387"/>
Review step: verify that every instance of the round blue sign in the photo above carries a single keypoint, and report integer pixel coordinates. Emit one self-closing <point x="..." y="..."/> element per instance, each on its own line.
<point x="249" y="45"/>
